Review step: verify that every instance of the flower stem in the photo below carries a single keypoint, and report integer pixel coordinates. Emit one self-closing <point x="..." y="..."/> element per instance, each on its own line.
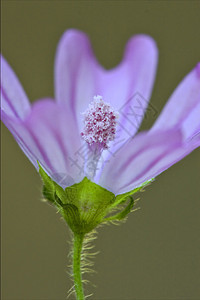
<point x="78" y="243"/>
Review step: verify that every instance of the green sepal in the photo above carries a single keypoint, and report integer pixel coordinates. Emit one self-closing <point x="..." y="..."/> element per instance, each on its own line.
<point x="72" y="217"/>
<point x="48" y="185"/>
<point x="92" y="202"/>
<point x="87" y="194"/>
<point x="47" y="194"/>
<point x="122" y="214"/>
<point x="121" y="198"/>
<point x="51" y="189"/>
<point x="60" y="193"/>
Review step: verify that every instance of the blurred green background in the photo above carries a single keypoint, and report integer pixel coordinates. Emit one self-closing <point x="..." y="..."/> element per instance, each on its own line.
<point x="155" y="255"/>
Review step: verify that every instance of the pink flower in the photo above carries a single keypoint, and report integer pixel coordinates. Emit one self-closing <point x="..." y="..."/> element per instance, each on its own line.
<point x="50" y="131"/>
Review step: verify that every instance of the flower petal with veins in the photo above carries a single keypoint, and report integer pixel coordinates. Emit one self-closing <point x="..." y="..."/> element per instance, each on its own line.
<point x="50" y="131"/>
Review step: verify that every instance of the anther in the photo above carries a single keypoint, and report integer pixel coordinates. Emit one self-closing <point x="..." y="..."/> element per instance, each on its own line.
<point x="100" y="124"/>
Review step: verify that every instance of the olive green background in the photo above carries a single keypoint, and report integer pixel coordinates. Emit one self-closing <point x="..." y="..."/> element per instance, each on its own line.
<point x="156" y="253"/>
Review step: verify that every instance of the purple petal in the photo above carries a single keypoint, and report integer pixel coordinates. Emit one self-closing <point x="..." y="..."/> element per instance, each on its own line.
<point x="191" y="124"/>
<point x="14" y="101"/>
<point x="48" y="136"/>
<point x="128" y="87"/>
<point x="183" y="108"/>
<point x="134" y="75"/>
<point x="79" y="77"/>
<point x="75" y="73"/>
<point x="143" y="158"/>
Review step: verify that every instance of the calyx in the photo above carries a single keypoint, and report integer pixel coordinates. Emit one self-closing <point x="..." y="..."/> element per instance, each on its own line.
<point x="85" y="205"/>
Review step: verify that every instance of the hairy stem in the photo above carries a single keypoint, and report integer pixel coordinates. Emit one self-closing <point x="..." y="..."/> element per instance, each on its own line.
<point x="78" y="243"/>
